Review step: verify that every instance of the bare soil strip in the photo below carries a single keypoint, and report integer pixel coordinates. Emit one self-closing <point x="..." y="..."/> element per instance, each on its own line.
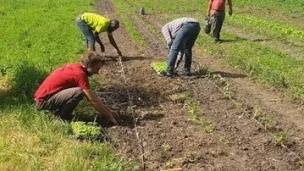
<point x="170" y="138"/>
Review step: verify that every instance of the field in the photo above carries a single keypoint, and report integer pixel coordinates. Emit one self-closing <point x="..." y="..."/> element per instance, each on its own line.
<point x="242" y="111"/>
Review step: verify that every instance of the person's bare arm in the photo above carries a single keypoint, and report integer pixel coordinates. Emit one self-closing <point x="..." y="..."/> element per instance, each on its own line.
<point x="99" y="106"/>
<point x="113" y="43"/>
<point x="96" y="35"/>
<point x="230" y="7"/>
<point x="209" y="7"/>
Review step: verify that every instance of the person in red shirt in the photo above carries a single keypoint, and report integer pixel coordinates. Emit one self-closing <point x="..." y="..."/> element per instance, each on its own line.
<point x="65" y="87"/>
<point x="216" y="12"/>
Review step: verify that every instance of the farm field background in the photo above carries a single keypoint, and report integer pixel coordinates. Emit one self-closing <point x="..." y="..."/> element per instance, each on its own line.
<point x="255" y="75"/>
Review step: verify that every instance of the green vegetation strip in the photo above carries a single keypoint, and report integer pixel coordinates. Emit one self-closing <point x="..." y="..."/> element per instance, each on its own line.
<point x="271" y="66"/>
<point x="38" y="37"/>
<point x="124" y="13"/>
<point x="273" y="29"/>
<point x="285" y="7"/>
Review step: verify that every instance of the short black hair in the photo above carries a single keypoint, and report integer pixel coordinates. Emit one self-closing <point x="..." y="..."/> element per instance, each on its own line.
<point x="113" y="25"/>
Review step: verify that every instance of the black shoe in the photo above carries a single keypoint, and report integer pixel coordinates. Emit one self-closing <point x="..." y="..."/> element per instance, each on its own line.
<point x="169" y="74"/>
<point x="216" y="40"/>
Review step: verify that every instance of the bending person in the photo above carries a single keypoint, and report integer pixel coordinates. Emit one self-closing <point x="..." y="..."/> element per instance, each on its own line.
<point x="92" y="25"/>
<point x="180" y="35"/>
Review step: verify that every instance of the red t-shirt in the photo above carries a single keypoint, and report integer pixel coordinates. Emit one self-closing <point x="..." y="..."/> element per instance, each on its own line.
<point x="218" y="5"/>
<point x="68" y="76"/>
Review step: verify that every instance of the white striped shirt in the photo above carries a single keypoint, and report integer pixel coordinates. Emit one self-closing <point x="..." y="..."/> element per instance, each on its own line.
<point x="170" y="29"/>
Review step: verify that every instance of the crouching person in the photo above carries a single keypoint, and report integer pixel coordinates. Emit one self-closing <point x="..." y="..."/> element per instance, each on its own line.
<point x="65" y="87"/>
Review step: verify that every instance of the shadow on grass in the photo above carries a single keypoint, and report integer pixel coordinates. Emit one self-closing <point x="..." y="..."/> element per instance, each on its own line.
<point x="243" y="39"/>
<point x="232" y="40"/>
<point x="25" y="80"/>
<point x="228" y="75"/>
<point x="260" y="40"/>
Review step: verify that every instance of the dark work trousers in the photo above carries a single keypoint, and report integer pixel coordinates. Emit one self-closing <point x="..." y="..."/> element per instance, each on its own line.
<point x="62" y="103"/>
<point x="186" y="36"/>
<point x="217" y="20"/>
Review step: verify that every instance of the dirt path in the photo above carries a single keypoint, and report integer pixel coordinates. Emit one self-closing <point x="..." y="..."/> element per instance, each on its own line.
<point x="169" y="137"/>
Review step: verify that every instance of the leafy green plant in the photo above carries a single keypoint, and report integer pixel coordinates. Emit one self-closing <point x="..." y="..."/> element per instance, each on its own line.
<point x="266" y="120"/>
<point x="281" y="138"/>
<point x="169" y="164"/>
<point x="227" y="92"/>
<point x="193" y="111"/>
<point x="301" y="163"/>
<point x="166" y="147"/>
<point x="159" y="66"/>
<point x="86" y="131"/>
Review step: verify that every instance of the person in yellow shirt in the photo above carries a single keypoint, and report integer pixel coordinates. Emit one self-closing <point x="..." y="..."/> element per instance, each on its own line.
<point x="92" y="24"/>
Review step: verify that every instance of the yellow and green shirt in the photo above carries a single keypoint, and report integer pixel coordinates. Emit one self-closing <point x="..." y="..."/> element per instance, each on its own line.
<point x="96" y="22"/>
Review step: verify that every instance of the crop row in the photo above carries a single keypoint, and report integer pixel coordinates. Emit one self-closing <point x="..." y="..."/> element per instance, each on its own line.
<point x="272" y="28"/>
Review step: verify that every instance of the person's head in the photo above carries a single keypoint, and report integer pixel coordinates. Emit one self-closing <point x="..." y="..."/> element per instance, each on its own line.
<point x="92" y="62"/>
<point x="113" y="26"/>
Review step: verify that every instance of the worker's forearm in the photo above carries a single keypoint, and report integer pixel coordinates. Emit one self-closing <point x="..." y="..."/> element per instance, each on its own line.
<point x="101" y="108"/>
<point x="113" y="43"/>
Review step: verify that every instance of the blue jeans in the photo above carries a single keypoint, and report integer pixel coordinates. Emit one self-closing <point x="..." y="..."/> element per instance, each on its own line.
<point x="185" y="37"/>
<point x="87" y="31"/>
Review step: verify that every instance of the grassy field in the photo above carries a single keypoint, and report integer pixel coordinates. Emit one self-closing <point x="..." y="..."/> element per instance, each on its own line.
<point x="38" y="36"/>
<point x="274" y="22"/>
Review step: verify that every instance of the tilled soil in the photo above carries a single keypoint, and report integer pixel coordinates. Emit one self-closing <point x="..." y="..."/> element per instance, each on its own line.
<point x="156" y="132"/>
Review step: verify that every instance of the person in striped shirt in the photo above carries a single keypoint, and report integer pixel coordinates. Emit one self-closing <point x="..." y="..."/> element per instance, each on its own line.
<point x="180" y="34"/>
<point x="92" y="24"/>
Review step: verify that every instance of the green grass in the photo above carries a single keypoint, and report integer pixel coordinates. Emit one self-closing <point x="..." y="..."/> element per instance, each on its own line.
<point x="124" y="13"/>
<point x="37" y="37"/>
<point x="284" y="7"/>
<point x="272" y="29"/>
<point x="269" y="65"/>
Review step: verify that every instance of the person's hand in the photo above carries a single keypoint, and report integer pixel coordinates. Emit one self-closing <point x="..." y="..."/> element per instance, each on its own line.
<point x="113" y="120"/>
<point x="230" y="12"/>
<point x="119" y="53"/>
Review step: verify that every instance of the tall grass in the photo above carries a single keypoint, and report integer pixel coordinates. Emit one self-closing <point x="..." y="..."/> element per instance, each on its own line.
<point x="37" y="37"/>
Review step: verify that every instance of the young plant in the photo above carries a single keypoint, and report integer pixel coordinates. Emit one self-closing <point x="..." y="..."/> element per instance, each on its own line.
<point x="85" y="131"/>
<point x="281" y="138"/>
<point x="193" y="111"/>
<point x="159" y="66"/>
<point x="166" y="147"/>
